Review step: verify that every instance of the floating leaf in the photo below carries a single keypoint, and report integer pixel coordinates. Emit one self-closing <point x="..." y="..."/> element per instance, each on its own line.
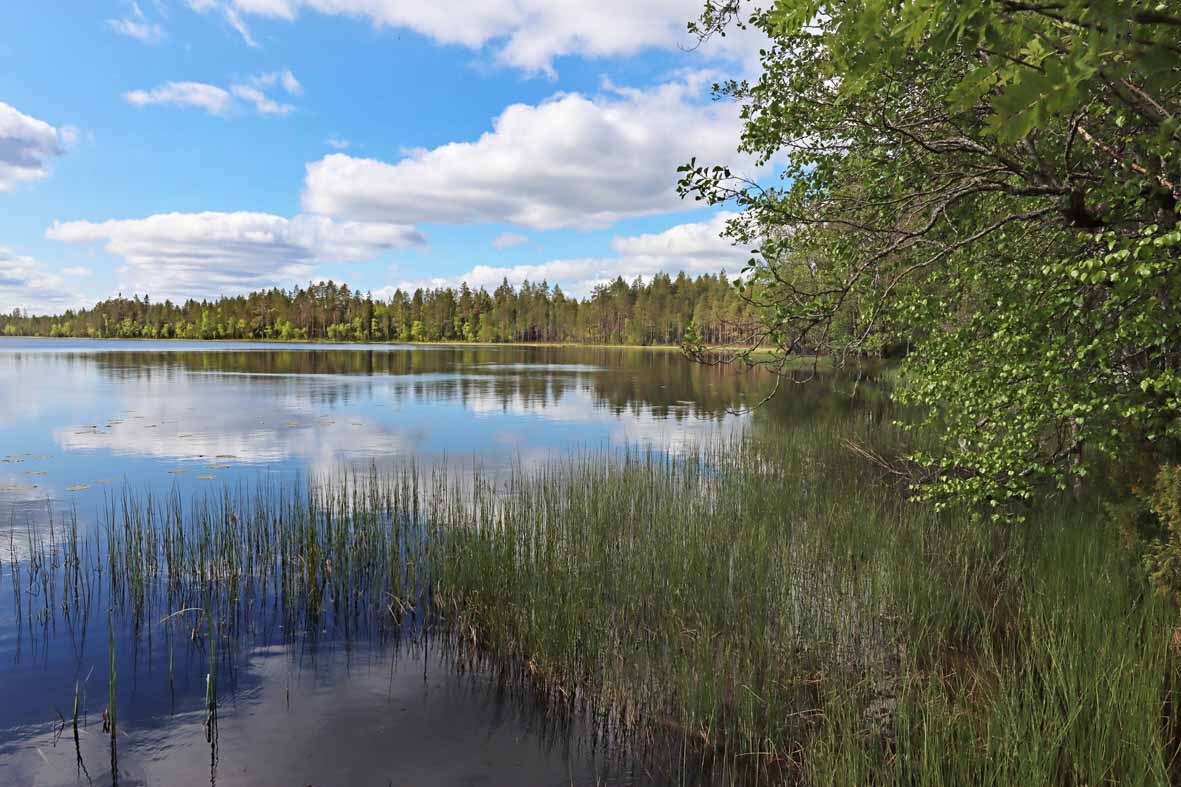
<point x="77" y="487"/>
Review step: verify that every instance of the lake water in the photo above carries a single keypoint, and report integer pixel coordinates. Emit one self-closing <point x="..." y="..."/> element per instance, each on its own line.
<point x="82" y="422"/>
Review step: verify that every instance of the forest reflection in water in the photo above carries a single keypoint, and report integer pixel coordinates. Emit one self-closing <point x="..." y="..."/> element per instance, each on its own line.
<point x="347" y="695"/>
<point x="82" y="418"/>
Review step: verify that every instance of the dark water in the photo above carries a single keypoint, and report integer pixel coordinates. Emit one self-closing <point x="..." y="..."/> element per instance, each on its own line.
<point x="336" y="702"/>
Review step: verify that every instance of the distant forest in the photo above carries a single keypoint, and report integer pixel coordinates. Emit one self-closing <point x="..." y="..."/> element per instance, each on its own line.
<point x="640" y="313"/>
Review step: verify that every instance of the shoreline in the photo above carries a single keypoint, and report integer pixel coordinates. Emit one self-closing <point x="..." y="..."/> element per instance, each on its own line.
<point x="345" y="344"/>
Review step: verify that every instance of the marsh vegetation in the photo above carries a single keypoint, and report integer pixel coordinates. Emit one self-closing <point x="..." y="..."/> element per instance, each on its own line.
<point x="765" y="608"/>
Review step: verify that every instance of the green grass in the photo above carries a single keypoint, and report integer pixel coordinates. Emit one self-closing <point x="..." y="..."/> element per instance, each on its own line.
<point x="780" y="612"/>
<point x="769" y="608"/>
<point x="763" y="354"/>
<point x="388" y="342"/>
<point x="1064" y="675"/>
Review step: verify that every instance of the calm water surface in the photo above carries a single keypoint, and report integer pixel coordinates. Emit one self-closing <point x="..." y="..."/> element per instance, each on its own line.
<point x="81" y="421"/>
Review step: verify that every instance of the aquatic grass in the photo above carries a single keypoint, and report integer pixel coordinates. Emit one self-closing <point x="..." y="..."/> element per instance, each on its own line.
<point x="764" y="609"/>
<point x="814" y="628"/>
<point x="1079" y="689"/>
<point x="714" y="596"/>
<point x="112" y="676"/>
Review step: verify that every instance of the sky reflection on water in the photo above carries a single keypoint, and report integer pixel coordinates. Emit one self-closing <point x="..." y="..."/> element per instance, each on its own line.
<point x="83" y="420"/>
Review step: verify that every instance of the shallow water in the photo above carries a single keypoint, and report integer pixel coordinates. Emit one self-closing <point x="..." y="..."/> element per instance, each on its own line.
<point x="81" y="418"/>
<point x="81" y="421"/>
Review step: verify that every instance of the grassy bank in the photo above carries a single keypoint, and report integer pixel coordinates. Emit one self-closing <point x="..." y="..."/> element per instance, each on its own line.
<point x="439" y="343"/>
<point x="353" y="342"/>
<point x="764" y="611"/>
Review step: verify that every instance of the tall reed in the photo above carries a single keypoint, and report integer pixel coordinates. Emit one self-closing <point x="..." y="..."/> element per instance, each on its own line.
<point x="765" y="609"/>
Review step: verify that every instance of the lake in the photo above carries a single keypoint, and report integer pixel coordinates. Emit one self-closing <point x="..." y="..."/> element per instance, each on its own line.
<point x="84" y="424"/>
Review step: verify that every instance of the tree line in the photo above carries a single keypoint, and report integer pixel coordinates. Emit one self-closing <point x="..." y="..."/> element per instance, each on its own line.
<point x="658" y="311"/>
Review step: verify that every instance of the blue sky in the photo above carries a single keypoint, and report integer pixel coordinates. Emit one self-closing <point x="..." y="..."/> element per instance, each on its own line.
<point x="182" y="148"/>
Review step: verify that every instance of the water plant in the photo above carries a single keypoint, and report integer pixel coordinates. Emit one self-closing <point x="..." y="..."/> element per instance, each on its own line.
<point x="758" y="610"/>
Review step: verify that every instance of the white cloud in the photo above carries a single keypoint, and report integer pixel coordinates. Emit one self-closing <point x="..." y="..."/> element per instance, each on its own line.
<point x="229" y="12"/>
<point x="219" y="101"/>
<point x="525" y="34"/>
<point x="27" y="284"/>
<point x="337" y="143"/>
<point x="26" y="146"/>
<point x="178" y="255"/>
<point x="284" y="79"/>
<point x="571" y="161"/>
<point x="198" y="95"/>
<point x="76" y="271"/>
<point x="694" y="248"/>
<point x="262" y="104"/>
<point x="699" y="246"/>
<point x="137" y="25"/>
<point x="508" y="240"/>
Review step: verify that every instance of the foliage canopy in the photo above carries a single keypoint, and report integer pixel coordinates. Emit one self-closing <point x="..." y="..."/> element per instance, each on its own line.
<point x="991" y="184"/>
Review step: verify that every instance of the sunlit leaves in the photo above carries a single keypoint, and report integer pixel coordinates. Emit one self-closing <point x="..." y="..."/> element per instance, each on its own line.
<point x="992" y="185"/>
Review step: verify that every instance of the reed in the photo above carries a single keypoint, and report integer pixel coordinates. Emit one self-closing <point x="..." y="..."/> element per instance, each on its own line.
<point x="763" y="610"/>
<point x="112" y="676"/>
